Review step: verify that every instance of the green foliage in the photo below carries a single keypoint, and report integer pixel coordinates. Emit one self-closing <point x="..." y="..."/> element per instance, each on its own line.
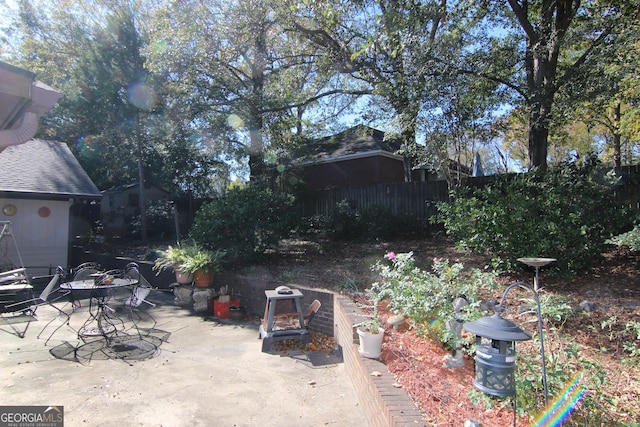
<point x="625" y="335"/>
<point x="632" y="344"/>
<point x="347" y="284"/>
<point x="630" y="238"/>
<point x="372" y="324"/>
<point x="160" y="221"/>
<point x="566" y="213"/>
<point x="245" y="221"/>
<point x="189" y="258"/>
<point x="173" y="256"/>
<point x="372" y="223"/>
<point x="564" y="363"/>
<point x="201" y="259"/>
<point x="430" y="298"/>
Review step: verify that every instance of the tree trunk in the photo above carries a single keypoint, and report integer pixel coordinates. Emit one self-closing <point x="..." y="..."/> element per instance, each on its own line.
<point x="617" y="138"/>
<point x="141" y="198"/>
<point x="539" y="118"/>
<point x="408" y="138"/>
<point x="545" y="35"/>
<point x="256" y="143"/>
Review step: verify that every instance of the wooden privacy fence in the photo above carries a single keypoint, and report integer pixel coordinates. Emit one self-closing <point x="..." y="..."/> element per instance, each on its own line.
<point x="419" y="199"/>
<point x="415" y="199"/>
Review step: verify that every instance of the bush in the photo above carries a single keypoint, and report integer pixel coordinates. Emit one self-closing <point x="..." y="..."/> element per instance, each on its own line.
<point x="245" y="222"/>
<point x="630" y="238"/>
<point x="372" y="223"/>
<point x="430" y="298"/>
<point x="566" y="213"/>
<point x="160" y="220"/>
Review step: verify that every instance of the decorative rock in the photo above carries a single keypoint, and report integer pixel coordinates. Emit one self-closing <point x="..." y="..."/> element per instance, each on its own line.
<point x="454" y="326"/>
<point x="200" y="300"/>
<point x="183" y="295"/>
<point x="396" y="321"/>
<point x="588" y="306"/>
<point x="454" y="360"/>
<point x="459" y="303"/>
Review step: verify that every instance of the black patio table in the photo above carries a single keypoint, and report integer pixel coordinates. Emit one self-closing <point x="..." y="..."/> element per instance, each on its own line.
<point x="103" y="320"/>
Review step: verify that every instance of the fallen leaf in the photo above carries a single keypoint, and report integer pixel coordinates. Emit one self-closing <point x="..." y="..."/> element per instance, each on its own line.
<point x="376" y="374"/>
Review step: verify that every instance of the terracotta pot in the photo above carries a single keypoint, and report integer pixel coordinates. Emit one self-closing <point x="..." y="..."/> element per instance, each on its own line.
<point x="202" y="279"/>
<point x="183" y="278"/>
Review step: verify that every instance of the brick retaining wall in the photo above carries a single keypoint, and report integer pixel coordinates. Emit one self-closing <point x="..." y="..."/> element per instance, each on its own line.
<point x="250" y="290"/>
<point x="384" y="404"/>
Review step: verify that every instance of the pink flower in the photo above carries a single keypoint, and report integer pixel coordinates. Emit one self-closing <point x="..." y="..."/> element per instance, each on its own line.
<point x="435" y="259"/>
<point x="390" y="255"/>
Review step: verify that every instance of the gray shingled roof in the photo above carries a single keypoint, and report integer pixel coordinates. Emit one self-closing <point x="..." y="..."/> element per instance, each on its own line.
<point x="44" y="167"/>
<point x="360" y="139"/>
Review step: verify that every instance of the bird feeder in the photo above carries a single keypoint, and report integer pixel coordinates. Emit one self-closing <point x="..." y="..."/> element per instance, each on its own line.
<point x="495" y="354"/>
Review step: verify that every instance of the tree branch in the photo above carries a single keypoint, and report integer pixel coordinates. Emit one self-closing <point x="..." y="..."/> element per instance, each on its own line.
<point x="522" y="18"/>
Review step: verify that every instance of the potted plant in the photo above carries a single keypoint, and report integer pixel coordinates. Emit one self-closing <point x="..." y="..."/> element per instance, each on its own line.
<point x="371" y="332"/>
<point x="174" y="257"/>
<point x="203" y="264"/>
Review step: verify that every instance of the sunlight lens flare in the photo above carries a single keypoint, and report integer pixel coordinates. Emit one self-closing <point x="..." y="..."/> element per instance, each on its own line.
<point x="88" y="146"/>
<point x="564" y="404"/>
<point x="235" y="121"/>
<point x="142" y="96"/>
<point x="435" y="324"/>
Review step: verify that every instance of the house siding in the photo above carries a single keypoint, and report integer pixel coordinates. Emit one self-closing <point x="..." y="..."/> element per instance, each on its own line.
<point x="41" y="240"/>
<point x="118" y="207"/>
<point x="354" y="172"/>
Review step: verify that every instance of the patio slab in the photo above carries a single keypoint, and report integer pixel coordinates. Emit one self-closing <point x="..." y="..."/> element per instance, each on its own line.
<point x="205" y="373"/>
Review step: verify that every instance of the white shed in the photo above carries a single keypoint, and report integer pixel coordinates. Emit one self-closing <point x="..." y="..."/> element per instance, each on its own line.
<point x="39" y="183"/>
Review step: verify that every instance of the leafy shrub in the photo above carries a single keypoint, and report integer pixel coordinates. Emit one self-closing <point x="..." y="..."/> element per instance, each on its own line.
<point x="160" y="221"/>
<point x="429" y="298"/>
<point x="630" y="239"/>
<point x="566" y="213"/>
<point x="245" y="222"/>
<point x="372" y="223"/>
<point x="345" y="222"/>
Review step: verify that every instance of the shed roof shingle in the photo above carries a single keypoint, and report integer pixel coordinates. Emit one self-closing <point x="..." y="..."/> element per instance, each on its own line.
<point x="44" y="167"/>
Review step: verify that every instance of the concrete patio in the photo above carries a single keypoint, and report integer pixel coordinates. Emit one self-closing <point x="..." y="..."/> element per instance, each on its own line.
<point x="205" y="373"/>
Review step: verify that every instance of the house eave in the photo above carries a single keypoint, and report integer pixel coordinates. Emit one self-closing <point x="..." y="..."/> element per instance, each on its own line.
<point x="22" y="101"/>
<point x="21" y="194"/>
<point x="353" y="156"/>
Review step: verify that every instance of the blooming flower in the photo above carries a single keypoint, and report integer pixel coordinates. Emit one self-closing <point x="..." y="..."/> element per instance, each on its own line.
<point x="390" y="255"/>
